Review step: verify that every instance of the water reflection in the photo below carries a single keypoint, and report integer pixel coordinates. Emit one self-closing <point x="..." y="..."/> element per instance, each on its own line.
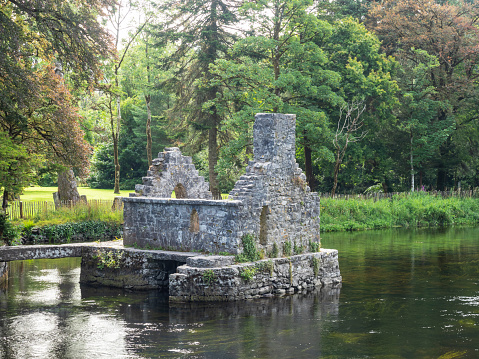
<point x="406" y="294"/>
<point x="46" y="313"/>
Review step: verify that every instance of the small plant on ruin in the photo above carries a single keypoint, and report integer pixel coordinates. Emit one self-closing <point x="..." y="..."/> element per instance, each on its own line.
<point x="107" y="259"/>
<point x="298" y="249"/>
<point x="248" y="273"/>
<point x="266" y="266"/>
<point x="250" y="253"/>
<point x="316" y="264"/>
<point x="287" y="248"/>
<point x="274" y="251"/>
<point x="314" y="246"/>
<point x="209" y="276"/>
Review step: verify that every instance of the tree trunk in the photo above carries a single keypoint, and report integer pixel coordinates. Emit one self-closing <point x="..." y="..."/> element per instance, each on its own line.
<point x="309" y="167"/>
<point x="116" y="136"/>
<point x="148" y="130"/>
<point x="335" y="175"/>
<point x="148" y="110"/>
<point x="213" y="160"/>
<point x="67" y="187"/>
<point x="441" y="179"/>
<point x="213" y="119"/>
<point x="117" y="165"/>
<point x="412" y="164"/>
<point x="5" y="200"/>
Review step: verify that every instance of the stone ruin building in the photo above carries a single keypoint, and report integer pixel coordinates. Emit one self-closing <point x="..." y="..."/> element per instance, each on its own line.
<point x="271" y="201"/>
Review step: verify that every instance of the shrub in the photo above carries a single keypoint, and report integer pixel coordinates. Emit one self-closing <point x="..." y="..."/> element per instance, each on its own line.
<point x="250" y="253"/>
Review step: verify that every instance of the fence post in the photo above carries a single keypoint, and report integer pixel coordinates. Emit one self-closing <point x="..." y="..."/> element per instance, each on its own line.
<point x="21" y="209"/>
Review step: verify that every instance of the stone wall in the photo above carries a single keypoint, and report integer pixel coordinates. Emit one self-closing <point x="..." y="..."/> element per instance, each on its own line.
<point x="278" y="206"/>
<point x="172" y="171"/>
<point x="182" y="224"/>
<point x="217" y="278"/>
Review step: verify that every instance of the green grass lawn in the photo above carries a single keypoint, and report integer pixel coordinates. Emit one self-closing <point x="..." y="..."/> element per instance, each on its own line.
<point x="46" y="193"/>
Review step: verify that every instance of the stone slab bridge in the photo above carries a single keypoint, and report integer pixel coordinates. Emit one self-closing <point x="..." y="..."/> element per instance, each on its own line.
<point x="213" y="277"/>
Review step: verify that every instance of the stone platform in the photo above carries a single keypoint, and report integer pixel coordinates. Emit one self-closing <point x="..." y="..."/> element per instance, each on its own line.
<point x="190" y="276"/>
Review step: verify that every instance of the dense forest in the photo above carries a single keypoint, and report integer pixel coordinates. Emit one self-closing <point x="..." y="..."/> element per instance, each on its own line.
<point x="384" y="92"/>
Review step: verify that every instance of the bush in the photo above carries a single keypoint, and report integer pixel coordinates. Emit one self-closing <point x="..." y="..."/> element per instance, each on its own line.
<point x="250" y="253"/>
<point x="9" y="233"/>
<point x="413" y="210"/>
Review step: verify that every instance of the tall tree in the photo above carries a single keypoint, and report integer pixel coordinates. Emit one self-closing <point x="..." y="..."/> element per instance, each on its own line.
<point x="450" y="33"/>
<point x="119" y="20"/>
<point x="202" y="31"/>
<point x="298" y="64"/>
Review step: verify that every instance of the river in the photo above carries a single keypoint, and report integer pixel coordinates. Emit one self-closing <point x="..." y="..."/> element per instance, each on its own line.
<point x="405" y="294"/>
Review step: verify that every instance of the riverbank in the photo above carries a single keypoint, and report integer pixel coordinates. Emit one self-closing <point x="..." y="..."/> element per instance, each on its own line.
<point x="414" y="210"/>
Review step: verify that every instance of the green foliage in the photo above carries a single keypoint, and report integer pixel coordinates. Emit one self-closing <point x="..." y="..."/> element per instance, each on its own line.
<point x="274" y="251"/>
<point x="266" y="266"/>
<point x="250" y="253"/>
<point x="314" y="246"/>
<point x="209" y="276"/>
<point x="287" y="248"/>
<point x="102" y="168"/>
<point x="64" y="232"/>
<point x="110" y="259"/>
<point x="247" y="273"/>
<point x="16" y="165"/>
<point x="415" y="210"/>
<point x="9" y="233"/>
<point x="298" y="249"/>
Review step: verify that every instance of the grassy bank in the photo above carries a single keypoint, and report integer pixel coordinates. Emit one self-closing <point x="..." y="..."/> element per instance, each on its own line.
<point x="417" y="210"/>
<point x="92" y="222"/>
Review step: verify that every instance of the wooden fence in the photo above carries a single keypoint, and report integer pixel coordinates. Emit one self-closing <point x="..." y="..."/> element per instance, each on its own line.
<point x="30" y="209"/>
<point x="473" y="193"/>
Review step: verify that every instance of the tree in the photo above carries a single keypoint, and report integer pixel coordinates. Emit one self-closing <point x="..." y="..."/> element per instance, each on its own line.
<point x="117" y="17"/>
<point x="202" y="32"/>
<point x="418" y="110"/>
<point x="278" y="68"/>
<point x="349" y="124"/>
<point x="450" y="33"/>
<point x="36" y="108"/>
<point x="311" y="68"/>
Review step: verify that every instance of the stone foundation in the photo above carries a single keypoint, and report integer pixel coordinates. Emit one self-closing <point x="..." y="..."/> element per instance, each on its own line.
<point x="129" y="268"/>
<point x="189" y="276"/>
<point x="217" y="278"/>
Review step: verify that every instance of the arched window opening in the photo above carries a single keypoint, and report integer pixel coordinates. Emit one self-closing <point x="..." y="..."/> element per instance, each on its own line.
<point x="194" y="222"/>
<point x="180" y="191"/>
<point x="263" y="226"/>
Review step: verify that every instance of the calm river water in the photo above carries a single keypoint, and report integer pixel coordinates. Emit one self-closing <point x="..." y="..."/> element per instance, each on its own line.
<point x="406" y="294"/>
